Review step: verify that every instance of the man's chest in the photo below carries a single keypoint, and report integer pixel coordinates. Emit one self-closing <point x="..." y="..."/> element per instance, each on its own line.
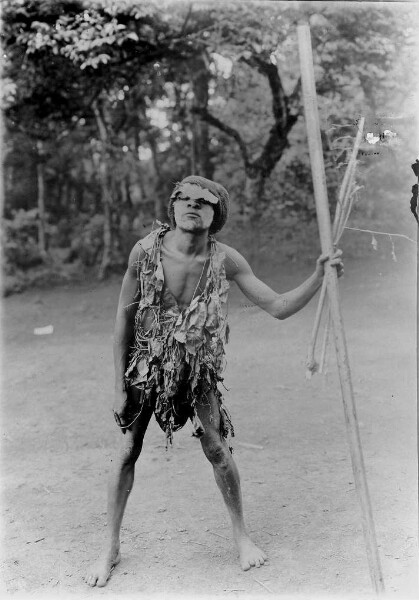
<point x="184" y="278"/>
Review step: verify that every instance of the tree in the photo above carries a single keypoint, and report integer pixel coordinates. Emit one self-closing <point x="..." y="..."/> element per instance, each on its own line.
<point x="356" y="50"/>
<point x="126" y="98"/>
<point x="102" y="49"/>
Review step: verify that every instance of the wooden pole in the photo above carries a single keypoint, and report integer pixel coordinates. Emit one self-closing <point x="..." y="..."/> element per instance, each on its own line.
<point x="323" y="217"/>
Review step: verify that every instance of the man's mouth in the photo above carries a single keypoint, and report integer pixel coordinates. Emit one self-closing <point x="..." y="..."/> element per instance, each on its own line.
<point x="191" y="215"/>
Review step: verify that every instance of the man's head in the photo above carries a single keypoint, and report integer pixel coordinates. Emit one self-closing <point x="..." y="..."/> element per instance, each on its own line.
<point x="211" y="196"/>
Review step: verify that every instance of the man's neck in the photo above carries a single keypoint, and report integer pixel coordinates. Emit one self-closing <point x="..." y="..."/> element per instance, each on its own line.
<point x="190" y="243"/>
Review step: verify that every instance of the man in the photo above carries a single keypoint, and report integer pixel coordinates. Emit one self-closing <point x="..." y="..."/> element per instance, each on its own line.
<point x="169" y="348"/>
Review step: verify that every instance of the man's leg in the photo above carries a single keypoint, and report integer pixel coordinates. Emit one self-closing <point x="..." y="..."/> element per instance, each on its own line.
<point x="120" y="484"/>
<point x="228" y="480"/>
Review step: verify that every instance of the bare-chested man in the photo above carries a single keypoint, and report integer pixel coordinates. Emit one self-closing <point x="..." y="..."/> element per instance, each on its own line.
<point x="169" y="349"/>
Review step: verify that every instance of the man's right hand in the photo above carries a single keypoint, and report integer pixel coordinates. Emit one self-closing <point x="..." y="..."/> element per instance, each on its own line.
<point x="121" y="409"/>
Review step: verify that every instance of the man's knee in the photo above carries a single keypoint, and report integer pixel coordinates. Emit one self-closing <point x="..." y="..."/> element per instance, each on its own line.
<point x="130" y="450"/>
<point x="216" y="452"/>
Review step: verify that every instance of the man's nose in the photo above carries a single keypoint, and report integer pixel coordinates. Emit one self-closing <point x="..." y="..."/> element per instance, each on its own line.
<point x="194" y="203"/>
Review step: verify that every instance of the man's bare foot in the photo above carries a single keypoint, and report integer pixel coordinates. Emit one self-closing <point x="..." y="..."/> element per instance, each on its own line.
<point x="99" y="573"/>
<point x="250" y="555"/>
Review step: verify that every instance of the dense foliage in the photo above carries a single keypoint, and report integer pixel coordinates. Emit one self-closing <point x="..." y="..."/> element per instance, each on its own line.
<point x="107" y="104"/>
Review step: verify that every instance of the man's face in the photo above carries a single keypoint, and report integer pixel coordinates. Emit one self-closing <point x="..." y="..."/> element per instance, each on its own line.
<point x="193" y="214"/>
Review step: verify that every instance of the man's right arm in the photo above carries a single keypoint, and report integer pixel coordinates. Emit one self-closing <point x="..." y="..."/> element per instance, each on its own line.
<point x="124" y="327"/>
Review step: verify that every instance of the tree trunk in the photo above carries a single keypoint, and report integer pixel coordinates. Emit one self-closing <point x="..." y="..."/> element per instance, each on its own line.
<point x="254" y="192"/>
<point x="102" y="168"/>
<point x="255" y="203"/>
<point x="200" y="154"/>
<point x="41" y="199"/>
<point x="159" y="206"/>
<point x="194" y="148"/>
<point x="107" y="224"/>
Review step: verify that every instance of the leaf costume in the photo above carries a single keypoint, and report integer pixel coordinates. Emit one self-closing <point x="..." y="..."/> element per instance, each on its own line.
<point x="178" y="355"/>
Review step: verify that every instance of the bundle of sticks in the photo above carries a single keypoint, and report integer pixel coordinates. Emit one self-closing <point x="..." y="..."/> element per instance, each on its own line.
<point x="343" y="209"/>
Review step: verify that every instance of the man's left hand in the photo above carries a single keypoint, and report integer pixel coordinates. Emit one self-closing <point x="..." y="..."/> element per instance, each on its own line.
<point x="335" y="261"/>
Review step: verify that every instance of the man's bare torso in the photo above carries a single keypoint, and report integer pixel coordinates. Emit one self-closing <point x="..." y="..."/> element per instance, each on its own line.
<point x="185" y="275"/>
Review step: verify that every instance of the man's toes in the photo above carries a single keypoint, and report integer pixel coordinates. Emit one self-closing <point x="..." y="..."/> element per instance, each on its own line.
<point x="101" y="582"/>
<point x="260" y="561"/>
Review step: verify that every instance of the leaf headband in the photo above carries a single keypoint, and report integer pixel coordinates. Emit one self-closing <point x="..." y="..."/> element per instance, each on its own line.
<point x="195" y="192"/>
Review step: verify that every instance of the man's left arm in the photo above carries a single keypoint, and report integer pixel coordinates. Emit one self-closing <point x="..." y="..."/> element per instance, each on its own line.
<point x="283" y="305"/>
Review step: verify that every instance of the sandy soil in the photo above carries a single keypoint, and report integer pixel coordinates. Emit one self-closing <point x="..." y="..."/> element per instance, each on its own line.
<point x="301" y="506"/>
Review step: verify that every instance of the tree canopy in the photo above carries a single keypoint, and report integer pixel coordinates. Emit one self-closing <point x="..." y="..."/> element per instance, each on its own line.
<point x="108" y="103"/>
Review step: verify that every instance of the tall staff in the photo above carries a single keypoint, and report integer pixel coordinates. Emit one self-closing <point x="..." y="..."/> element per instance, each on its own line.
<point x="325" y="230"/>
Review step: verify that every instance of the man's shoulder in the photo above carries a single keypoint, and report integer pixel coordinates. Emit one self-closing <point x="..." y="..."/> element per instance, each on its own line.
<point x="145" y="244"/>
<point x="228" y="250"/>
<point x="233" y="261"/>
<point x="140" y="249"/>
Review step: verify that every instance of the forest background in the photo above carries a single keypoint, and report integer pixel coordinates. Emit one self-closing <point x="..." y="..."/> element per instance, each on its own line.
<point x="107" y="104"/>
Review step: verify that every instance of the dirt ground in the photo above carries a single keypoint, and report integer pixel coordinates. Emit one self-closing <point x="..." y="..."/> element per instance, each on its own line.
<point x="291" y="448"/>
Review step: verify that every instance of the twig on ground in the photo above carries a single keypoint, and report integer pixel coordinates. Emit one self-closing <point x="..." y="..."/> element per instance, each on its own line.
<point x="248" y="445"/>
<point x="218" y="534"/>
<point x="193" y="542"/>
<point x="263" y="585"/>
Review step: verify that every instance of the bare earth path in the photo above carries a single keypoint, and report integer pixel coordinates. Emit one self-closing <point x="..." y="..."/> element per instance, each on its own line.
<point x="300" y="503"/>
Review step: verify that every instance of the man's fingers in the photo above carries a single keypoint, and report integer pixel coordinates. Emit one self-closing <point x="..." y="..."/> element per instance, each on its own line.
<point x="334" y="261"/>
<point x="337" y="263"/>
<point x="120" y="422"/>
<point x="323" y="258"/>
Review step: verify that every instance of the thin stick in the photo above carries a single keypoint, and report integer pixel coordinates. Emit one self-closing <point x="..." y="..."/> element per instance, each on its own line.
<point x="343" y="209"/>
<point x="198" y="543"/>
<point x="249" y="445"/>
<point x="348" y="178"/>
<point x="325" y="344"/>
<point x="345" y="218"/>
<point x="311" y="361"/>
<point x="219" y="535"/>
<point x="263" y="585"/>
<point x="325" y="230"/>
<point x="400" y="235"/>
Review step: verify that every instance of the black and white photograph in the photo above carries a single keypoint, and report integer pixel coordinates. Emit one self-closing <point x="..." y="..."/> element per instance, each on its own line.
<point x="209" y="299"/>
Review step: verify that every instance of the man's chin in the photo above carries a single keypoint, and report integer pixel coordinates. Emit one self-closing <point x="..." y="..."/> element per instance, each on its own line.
<point x="191" y="227"/>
